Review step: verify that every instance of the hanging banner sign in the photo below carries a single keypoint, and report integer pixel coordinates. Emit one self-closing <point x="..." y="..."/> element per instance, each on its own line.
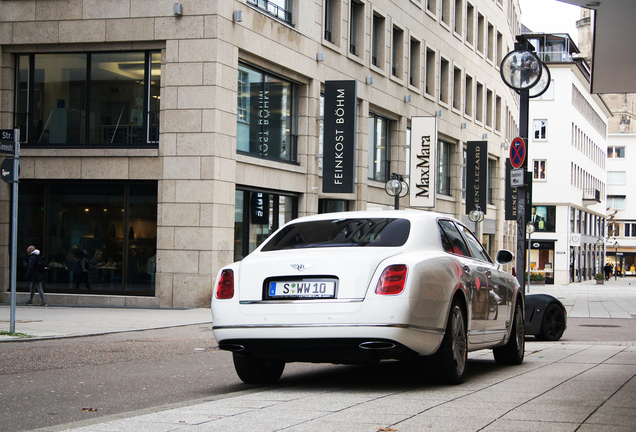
<point x="423" y="156"/>
<point x="476" y="175"/>
<point x="266" y="101"/>
<point x="339" y="135"/>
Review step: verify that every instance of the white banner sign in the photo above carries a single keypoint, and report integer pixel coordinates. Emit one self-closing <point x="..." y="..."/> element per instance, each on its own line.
<point x="423" y="149"/>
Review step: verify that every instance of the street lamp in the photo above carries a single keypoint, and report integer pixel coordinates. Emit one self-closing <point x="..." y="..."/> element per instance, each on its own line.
<point x="599" y="255"/>
<point x="529" y="230"/>
<point x="476" y="215"/>
<point x="525" y="73"/>
<point x="396" y="187"/>
<point x="616" y="246"/>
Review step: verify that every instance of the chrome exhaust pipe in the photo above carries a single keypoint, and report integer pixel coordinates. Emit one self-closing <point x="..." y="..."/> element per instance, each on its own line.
<point x="233" y="348"/>
<point x="377" y="345"/>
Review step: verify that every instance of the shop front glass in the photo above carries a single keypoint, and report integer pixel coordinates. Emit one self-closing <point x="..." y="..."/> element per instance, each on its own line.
<point x="257" y="216"/>
<point x="542" y="261"/>
<point x="98" y="237"/>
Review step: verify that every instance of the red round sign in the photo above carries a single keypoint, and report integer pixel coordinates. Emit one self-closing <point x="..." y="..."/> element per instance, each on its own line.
<point x="517" y="152"/>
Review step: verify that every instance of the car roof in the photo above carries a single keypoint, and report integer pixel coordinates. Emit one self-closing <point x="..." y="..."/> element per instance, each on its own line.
<point x="412" y="215"/>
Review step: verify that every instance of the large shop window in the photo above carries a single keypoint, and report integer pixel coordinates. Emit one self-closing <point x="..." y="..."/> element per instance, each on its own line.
<point x="88" y="99"/>
<point x="266" y="117"/>
<point x="112" y="225"/>
<point x="444" y="150"/>
<point x="257" y="215"/>
<point x="379" y="147"/>
<point x="543" y="218"/>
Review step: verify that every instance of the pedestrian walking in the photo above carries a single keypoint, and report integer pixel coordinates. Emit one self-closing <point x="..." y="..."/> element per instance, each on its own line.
<point x="608" y="271"/>
<point x="36" y="270"/>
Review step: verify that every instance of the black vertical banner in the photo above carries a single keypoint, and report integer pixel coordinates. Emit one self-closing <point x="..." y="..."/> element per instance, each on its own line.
<point x="476" y="175"/>
<point x="511" y="195"/>
<point x="266" y="101"/>
<point x="338" y="166"/>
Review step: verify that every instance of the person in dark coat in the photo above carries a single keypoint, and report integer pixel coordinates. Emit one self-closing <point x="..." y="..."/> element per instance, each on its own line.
<point x="607" y="269"/>
<point x="36" y="277"/>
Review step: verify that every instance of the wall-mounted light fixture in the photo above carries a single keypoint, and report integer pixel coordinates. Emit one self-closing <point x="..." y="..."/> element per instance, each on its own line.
<point x="237" y="16"/>
<point x="464" y="126"/>
<point x="320" y="56"/>
<point x="177" y="9"/>
<point x="407" y="98"/>
<point x="369" y="79"/>
<point x="505" y="146"/>
<point x="484" y="136"/>
<point x="438" y="113"/>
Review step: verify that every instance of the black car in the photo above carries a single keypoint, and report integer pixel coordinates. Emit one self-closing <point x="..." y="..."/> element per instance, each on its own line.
<point x="546" y="317"/>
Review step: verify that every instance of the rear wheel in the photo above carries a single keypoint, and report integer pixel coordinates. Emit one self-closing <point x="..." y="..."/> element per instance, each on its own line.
<point x="513" y="352"/>
<point x="253" y="370"/>
<point x="553" y="324"/>
<point x="452" y="356"/>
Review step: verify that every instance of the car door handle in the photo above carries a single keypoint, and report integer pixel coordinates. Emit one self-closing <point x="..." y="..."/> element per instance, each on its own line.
<point x="466" y="269"/>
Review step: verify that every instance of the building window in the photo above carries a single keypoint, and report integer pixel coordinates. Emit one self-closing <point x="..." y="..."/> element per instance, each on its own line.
<point x="616" y="152"/>
<point x="120" y="91"/>
<point x="616" y="202"/>
<point x="457" y="88"/>
<point x="397" y="58"/>
<point x="539" y="170"/>
<point x="266" y="117"/>
<point x="470" y="23"/>
<point x="459" y="22"/>
<point x="498" y="113"/>
<point x="444" y="76"/>
<point x="329" y="20"/>
<point x="356" y="28"/>
<point x="616" y="177"/>
<point x="489" y="107"/>
<point x="446" y="15"/>
<point x="630" y="230"/>
<point x="112" y="224"/>
<point x="430" y="72"/>
<point x="332" y="206"/>
<point x="377" y="41"/>
<point x="499" y="49"/>
<point x="464" y="167"/>
<point x="492" y="173"/>
<point x="281" y="9"/>
<point x="379" y="148"/>
<point x="414" y="63"/>
<point x="491" y="42"/>
<point x="540" y="129"/>
<point x="481" y="29"/>
<point x="431" y="6"/>
<point x="479" y="110"/>
<point x="468" y="96"/>
<point x="444" y="150"/>
<point x="257" y="215"/>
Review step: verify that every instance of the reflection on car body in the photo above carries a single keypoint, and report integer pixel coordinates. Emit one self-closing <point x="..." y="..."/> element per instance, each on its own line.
<point x="360" y="287"/>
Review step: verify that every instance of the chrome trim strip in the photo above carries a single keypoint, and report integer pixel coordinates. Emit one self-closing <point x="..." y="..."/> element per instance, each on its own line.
<point x="270" y="326"/>
<point x="312" y="301"/>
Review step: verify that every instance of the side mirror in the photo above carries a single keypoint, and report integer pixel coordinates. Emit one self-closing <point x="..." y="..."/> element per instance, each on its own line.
<point x="504" y="257"/>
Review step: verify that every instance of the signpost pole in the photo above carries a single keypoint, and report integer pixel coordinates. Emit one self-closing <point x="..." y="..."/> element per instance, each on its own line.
<point x="14" y="225"/>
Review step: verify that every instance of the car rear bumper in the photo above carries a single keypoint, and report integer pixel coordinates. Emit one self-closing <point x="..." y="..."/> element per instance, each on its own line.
<point x="347" y="344"/>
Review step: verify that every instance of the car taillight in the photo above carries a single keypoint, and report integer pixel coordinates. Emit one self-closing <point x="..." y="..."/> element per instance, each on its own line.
<point x="392" y="280"/>
<point x="225" y="286"/>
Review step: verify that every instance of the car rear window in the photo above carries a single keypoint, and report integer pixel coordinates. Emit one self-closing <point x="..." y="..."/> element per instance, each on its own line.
<point x="378" y="232"/>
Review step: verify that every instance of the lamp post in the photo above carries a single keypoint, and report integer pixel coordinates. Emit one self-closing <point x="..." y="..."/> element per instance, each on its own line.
<point x="616" y="246"/>
<point x="522" y="70"/>
<point x="396" y="187"/>
<point x="476" y="215"/>
<point x="599" y="255"/>
<point x="529" y="230"/>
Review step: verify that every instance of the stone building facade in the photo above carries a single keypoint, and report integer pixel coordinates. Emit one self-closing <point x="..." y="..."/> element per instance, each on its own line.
<point x="146" y="150"/>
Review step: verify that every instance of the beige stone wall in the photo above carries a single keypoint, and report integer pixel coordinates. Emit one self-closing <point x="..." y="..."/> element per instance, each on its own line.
<point x="196" y="165"/>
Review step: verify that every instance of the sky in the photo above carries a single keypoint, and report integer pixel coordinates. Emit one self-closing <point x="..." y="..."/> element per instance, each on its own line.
<point x="550" y="16"/>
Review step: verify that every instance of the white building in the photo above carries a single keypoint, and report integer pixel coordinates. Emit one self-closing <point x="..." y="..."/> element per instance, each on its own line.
<point x="567" y="155"/>
<point x="621" y="154"/>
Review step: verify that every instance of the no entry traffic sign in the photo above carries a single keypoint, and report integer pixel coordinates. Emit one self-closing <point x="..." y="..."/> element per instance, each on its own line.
<point x="517" y="152"/>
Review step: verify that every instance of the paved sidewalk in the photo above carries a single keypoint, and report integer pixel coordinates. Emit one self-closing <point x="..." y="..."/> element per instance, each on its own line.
<point x="573" y="386"/>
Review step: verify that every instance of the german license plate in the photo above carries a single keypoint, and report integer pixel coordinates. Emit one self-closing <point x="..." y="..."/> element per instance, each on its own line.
<point x="302" y="289"/>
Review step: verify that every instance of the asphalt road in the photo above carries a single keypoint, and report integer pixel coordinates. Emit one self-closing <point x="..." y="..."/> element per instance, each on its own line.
<point x="51" y="382"/>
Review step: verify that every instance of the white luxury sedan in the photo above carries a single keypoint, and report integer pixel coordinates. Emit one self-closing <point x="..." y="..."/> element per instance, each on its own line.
<point x="361" y="287"/>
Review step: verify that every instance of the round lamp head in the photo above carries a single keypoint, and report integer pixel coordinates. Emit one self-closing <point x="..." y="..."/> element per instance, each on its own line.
<point x="393" y="187"/>
<point x="530" y="228"/>
<point x="476" y="215"/>
<point x="520" y="70"/>
<point x="542" y="85"/>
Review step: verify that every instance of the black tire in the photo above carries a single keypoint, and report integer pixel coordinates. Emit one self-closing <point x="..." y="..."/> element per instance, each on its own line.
<point x="253" y="370"/>
<point x="553" y="324"/>
<point x="512" y="353"/>
<point x="451" y="359"/>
